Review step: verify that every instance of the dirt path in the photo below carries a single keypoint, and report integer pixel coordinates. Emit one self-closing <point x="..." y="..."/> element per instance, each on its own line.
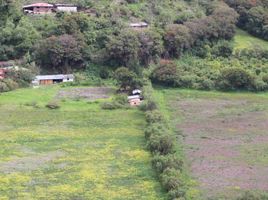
<point x="226" y="142"/>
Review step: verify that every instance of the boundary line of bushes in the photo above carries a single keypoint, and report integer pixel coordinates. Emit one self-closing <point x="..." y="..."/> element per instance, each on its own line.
<point x="167" y="161"/>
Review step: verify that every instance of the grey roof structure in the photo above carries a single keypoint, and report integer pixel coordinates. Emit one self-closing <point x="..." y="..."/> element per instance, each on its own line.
<point x="55" y="77"/>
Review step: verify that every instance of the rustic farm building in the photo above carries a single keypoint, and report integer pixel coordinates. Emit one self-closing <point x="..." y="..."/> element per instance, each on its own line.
<point x="65" y="7"/>
<point x="134" y="100"/>
<point x="38" y="8"/>
<point x="52" y="79"/>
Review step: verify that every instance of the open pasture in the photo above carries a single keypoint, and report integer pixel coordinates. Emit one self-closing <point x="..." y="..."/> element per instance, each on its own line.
<point x="78" y="151"/>
<point x="224" y="138"/>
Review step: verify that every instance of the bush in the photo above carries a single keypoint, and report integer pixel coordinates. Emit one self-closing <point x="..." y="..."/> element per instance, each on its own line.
<point x="119" y="101"/>
<point x="148" y="105"/>
<point x="169" y="161"/>
<point x="162" y="144"/>
<point x="222" y="49"/>
<point x="177" y="194"/>
<point x="166" y="160"/>
<point x="109" y="106"/>
<point x="154" y="117"/>
<point x="11" y="84"/>
<point x="165" y="74"/>
<point x="4" y="87"/>
<point x="265" y="78"/>
<point x="126" y="79"/>
<point x="154" y="129"/>
<point x="53" y="105"/>
<point x="235" y="78"/>
<point x="170" y="179"/>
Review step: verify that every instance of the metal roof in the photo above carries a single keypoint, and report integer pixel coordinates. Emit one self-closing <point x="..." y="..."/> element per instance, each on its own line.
<point x="38" y="5"/>
<point x="136" y="91"/>
<point x="65" y="5"/>
<point x="133" y="97"/>
<point x="54" y="77"/>
<point x="139" y="24"/>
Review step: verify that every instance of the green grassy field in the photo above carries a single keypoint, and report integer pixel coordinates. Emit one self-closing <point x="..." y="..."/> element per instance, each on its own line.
<point x="76" y="152"/>
<point x="223" y="136"/>
<point x="243" y="40"/>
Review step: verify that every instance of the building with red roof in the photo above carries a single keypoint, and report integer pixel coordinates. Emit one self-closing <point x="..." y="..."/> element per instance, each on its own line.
<point x="38" y="8"/>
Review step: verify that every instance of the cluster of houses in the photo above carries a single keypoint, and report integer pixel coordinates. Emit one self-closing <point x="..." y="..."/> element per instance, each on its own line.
<point x="46" y="8"/>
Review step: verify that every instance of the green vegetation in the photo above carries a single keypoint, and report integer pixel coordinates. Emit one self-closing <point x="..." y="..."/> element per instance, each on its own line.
<point x="78" y="151"/>
<point x="58" y="148"/>
<point x="168" y="159"/>
<point x="214" y="128"/>
<point x="253" y="16"/>
<point x="243" y="40"/>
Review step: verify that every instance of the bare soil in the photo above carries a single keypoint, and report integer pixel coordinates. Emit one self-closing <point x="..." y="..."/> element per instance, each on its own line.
<point x="26" y="164"/>
<point x="91" y="93"/>
<point x="216" y="132"/>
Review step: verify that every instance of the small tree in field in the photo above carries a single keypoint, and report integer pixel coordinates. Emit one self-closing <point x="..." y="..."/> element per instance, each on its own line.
<point x="126" y="79"/>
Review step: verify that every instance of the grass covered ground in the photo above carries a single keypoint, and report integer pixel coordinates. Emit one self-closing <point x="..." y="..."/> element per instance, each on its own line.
<point x="76" y="152"/>
<point x="243" y="40"/>
<point x="224" y="139"/>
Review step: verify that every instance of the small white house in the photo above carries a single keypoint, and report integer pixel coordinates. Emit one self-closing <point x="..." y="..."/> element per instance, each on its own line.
<point x="66" y="7"/>
<point x="52" y="79"/>
<point x="134" y="100"/>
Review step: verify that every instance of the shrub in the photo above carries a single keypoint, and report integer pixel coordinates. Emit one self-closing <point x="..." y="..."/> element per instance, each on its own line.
<point x="153" y="117"/>
<point x="165" y="74"/>
<point x="170" y="179"/>
<point x="119" y="101"/>
<point x="11" y="84"/>
<point x="154" y="129"/>
<point x="169" y="161"/>
<point x="265" y="78"/>
<point x="162" y="143"/>
<point x="235" y="78"/>
<point x="3" y="87"/>
<point x="222" y="49"/>
<point x="126" y="79"/>
<point x="176" y="194"/>
<point x="148" y="105"/>
<point x="53" y="105"/>
<point x="109" y="106"/>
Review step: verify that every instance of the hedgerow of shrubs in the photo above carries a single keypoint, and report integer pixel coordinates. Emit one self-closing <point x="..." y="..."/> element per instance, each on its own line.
<point x="160" y="141"/>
